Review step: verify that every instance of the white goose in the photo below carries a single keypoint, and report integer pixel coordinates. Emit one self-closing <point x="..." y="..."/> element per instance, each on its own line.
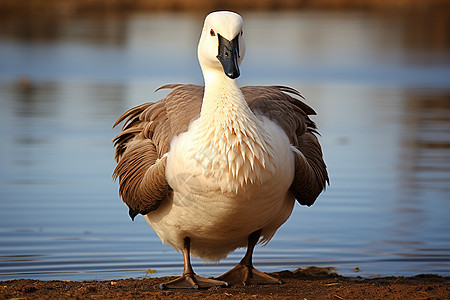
<point x="219" y="167"/>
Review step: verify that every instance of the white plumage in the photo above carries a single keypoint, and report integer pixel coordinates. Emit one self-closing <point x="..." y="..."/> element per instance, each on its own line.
<point x="218" y="202"/>
<point x="217" y="168"/>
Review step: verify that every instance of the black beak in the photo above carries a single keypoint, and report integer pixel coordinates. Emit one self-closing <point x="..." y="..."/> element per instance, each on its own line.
<point x="229" y="56"/>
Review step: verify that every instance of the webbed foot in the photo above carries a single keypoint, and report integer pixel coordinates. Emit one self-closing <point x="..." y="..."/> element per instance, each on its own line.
<point x="192" y="281"/>
<point x="246" y="275"/>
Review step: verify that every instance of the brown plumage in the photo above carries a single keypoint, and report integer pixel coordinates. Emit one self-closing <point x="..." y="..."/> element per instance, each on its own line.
<point x="217" y="168"/>
<point x="149" y="128"/>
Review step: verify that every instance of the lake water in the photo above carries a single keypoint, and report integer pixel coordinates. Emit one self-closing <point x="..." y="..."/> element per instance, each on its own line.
<point x="380" y="85"/>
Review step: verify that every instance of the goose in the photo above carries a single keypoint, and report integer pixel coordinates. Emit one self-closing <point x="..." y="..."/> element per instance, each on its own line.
<point x="217" y="167"/>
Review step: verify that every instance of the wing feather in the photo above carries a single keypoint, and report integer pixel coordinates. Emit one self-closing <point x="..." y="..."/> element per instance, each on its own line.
<point x="149" y="128"/>
<point x="145" y="138"/>
<point x="291" y="114"/>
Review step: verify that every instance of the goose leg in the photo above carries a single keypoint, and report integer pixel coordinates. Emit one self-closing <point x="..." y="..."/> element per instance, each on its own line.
<point x="244" y="272"/>
<point x="189" y="279"/>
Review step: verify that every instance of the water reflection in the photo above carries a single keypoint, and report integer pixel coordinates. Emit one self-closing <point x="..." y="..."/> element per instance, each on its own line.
<point x="102" y="30"/>
<point x="423" y="163"/>
<point x="426" y="143"/>
<point x="372" y="78"/>
<point x="424" y="34"/>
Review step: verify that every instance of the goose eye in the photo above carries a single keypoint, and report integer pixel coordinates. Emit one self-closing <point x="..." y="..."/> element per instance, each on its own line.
<point x="212" y="33"/>
<point x="242" y="32"/>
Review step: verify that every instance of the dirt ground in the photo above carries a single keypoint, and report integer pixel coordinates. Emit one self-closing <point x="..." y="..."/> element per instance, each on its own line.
<point x="309" y="283"/>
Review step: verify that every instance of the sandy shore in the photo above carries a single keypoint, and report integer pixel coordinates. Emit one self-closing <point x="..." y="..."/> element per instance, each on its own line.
<point x="311" y="283"/>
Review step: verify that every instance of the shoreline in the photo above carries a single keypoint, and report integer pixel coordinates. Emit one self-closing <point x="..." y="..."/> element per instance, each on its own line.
<point x="81" y="7"/>
<point x="309" y="283"/>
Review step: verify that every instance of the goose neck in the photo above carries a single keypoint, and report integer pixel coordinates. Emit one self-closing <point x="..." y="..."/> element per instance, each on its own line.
<point x="223" y="97"/>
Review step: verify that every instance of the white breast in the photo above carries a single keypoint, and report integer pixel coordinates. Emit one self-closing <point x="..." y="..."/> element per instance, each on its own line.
<point x="222" y="193"/>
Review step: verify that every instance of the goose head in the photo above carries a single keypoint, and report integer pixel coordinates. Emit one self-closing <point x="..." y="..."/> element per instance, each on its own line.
<point x="221" y="47"/>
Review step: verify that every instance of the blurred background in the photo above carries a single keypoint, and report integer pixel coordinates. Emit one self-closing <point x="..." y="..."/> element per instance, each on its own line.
<point x="377" y="72"/>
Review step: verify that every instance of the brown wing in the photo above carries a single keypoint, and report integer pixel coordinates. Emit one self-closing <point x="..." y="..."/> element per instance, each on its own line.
<point x="291" y="114"/>
<point x="149" y="128"/>
<point x="145" y="138"/>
